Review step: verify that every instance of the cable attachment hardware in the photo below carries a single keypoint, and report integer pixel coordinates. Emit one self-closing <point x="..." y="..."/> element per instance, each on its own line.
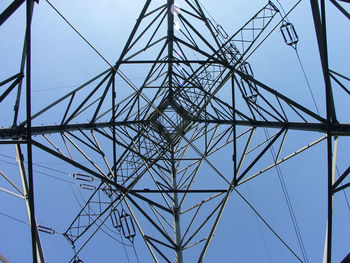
<point x="289" y="34"/>
<point x="77" y="260"/>
<point x="249" y="87"/>
<point x="76" y="257"/>
<point x="87" y="187"/>
<point x="115" y="217"/>
<point x="86" y="180"/>
<point x="46" y="230"/>
<point x="123" y="221"/>
<point x="82" y="177"/>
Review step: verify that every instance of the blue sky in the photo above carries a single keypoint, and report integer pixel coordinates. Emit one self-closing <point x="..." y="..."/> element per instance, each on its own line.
<point x="62" y="61"/>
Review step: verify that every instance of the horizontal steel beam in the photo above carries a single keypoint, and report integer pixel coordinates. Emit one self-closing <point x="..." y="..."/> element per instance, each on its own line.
<point x="179" y="191"/>
<point x="334" y="129"/>
<point x="20" y="131"/>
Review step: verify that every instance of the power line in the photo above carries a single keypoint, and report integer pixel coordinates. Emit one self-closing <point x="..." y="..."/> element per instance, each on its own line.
<point x="43" y="173"/>
<point x="14" y="218"/>
<point x="288" y="201"/>
<point x="307" y="81"/>
<point x="284" y="12"/>
<point x="267" y="224"/>
<point x="345" y="195"/>
<point x="259" y="226"/>
<point x="81" y="206"/>
<point x="118" y="71"/>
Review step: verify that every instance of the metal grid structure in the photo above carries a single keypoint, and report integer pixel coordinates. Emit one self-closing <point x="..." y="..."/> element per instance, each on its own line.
<point x="165" y="129"/>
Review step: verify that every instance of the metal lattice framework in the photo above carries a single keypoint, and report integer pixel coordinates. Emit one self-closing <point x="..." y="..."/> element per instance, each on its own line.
<point x="157" y="137"/>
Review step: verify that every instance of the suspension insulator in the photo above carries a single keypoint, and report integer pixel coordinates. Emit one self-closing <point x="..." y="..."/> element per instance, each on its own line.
<point x="87" y="187"/>
<point x="115" y="217"/>
<point x="221" y="31"/>
<point x="128" y="227"/>
<point x="108" y="191"/>
<point x="83" y="177"/>
<point x="249" y="89"/>
<point x="246" y="69"/>
<point x="289" y="34"/>
<point x="46" y="230"/>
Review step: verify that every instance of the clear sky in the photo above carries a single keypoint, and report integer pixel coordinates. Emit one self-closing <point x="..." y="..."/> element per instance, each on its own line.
<point x="62" y="61"/>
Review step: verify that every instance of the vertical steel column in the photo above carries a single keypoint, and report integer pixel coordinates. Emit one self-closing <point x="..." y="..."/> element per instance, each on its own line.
<point x="329" y="201"/>
<point x="29" y="128"/>
<point x="176" y="208"/>
<point x="113" y="129"/>
<point x="320" y="28"/>
<point x="171" y="10"/>
<point x="234" y="157"/>
<point x="176" y="212"/>
<point x="20" y="161"/>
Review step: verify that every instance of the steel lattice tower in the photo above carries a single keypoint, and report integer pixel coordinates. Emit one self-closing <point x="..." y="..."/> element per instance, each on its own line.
<point x="157" y="137"/>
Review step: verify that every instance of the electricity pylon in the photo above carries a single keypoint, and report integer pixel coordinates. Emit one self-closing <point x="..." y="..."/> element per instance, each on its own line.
<point x="157" y="137"/>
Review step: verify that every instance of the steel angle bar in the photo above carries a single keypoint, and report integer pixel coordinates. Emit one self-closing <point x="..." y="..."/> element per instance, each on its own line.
<point x="18" y="77"/>
<point x="103" y="155"/>
<point x="342" y="187"/>
<point x="20" y="132"/>
<point x="12" y="183"/>
<point x="124" y="191"/>
<point x="191" y="222"/>
<point x="144" y="31"/>
<point x="98" y="227"/>
<point x="203" y="201"/>
<point x="195" y="243"/>
<point x="68" y="233"/>
<point x="320" y="28"/>
<point x="182" y="18"/>
<point x="244" y="153"/>
<point x="158" y="250"/>
<point x="155" y="10"/>
<point x="203" y="17"/>
<point x="202" y="225"/>
<point x="341" y="9"/>
<point x="167" y="237"/>
<point x="277" y="162"/>
<point x="141" y="231"/>
<point x="157" y="215"/>
<point x="339" y="75"/>
<point x="341" y="178"/>
<point x="10" y="10"/>
<point x="65" y="96"/>
<point x="92" y="145"/>
<point x="38" y="255"/>
<point x="76" y="164"/>
<point x="334" y="129"/>
<point x="11" y="193"/>
<point x="85" y="155"/>
<point x="282" y="97"/>
<point x="158" y="241"/>
<point x="339" y="83"/>
<point x="271" y="106"/>
<point x="129" y="41"/>
<point x="36" y="247"/>
<point x="149" y="201"/>
<point x="112" y="76"/>
<point x="77" y="110"/>
<point x="262" y="143"/>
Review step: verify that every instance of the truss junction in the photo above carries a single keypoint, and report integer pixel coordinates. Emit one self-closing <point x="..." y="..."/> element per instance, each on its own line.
<point x="159" y="158"/>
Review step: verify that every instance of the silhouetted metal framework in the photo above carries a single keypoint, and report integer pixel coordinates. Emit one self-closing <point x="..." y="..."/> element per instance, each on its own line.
<point x="160" y="131"/>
